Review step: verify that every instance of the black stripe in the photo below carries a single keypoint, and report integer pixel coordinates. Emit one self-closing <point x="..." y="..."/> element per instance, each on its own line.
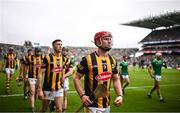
<point x="86" y="79"/>
<point x="32" y="64"/>
<point x="111" y="60"/>
<point x="57" y="76"/>
<point x="104" y="65"/>
<point x="112" y="63"/>
<point x="95" y="73"/>
<point x="57" y="79"/>
<point x="45" y="76"/>
<point x="51" y="73"/>
<point x="30" y="61"/>
<point x="37" y="69"/>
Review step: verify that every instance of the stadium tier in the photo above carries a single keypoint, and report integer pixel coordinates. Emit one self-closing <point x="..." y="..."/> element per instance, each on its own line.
<point x="77" y="52"/>
<point x="166" y="40"/>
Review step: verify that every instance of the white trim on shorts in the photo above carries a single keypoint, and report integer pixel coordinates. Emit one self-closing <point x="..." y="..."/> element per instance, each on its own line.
<point x="66" y="84"/>
<point x="157" y="77"/>
<point x="9" y="70"/>
<point x="99" y="110"/>
<point x="125" y="76"/>
<point x="32" y="81"/>
<point x="49" y="95"/>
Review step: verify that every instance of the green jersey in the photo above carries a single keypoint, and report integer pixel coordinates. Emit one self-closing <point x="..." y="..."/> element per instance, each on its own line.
<point x="124" y="67"/>
<point x="157" y="65"/>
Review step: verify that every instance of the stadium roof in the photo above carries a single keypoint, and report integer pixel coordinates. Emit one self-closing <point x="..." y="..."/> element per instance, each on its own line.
<point x="153" y="22"/>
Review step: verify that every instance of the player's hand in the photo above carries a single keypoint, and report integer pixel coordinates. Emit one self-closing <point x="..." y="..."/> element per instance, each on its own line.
<point x="152" y="76"/>
<point x="85" y="100"/>
<point x="40" y="95"/>
<point x="63" y="78"/>
<point x="118" y="101"/>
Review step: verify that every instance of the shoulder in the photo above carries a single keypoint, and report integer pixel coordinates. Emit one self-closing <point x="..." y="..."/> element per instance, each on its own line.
<point x="153" y="60"/>
<point x="91" y="55"/>
<point x="112" y="60"/>
<point x="111" y="57"/>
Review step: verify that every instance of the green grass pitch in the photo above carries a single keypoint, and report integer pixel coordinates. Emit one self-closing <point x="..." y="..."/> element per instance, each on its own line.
<point x="135" y="99"/>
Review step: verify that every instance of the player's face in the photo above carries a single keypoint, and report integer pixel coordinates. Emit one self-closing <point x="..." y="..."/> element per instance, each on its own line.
<point x="57" y="46"/>
<point x="37" y="53"/>
<point x="30" y="53"/>
<point x="125" y="58"/>
<point x="65" y="52"/>
<point x="159" y="57"/>
<point x="107" y="42"/>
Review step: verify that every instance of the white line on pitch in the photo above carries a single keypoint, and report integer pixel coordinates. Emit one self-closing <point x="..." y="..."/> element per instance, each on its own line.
<point x="136" y="87"/>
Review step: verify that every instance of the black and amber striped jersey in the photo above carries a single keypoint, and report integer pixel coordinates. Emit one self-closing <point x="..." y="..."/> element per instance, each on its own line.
<point x="22" y="59"/>
<point x="54" y="70"/>
<point x="34" y="63"/>
<point x="68" y="65"/>
<point x="10" y="59"/>
<point x="97" y="70"/>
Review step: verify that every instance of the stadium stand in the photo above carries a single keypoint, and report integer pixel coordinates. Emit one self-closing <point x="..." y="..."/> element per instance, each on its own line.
<point x="166" y="40"/>
<point x="77" y="52"/>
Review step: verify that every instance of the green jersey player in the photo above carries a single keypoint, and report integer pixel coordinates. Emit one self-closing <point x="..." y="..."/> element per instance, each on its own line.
<point x="156" y="65"/>
<point x="124" y="74"/>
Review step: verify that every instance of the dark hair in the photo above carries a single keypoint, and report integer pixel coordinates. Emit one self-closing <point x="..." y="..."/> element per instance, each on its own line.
<point x="37" y="49"/>
<point x="124" y="56"/>
<point x="65" y="49"/>
<point x="29" y="50"/>
<point x="57" y="40"/>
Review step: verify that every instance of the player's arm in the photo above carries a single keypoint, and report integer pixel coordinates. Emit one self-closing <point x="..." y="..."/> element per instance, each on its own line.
<point x="69" y="73"/>
<point x="40" y="78"/>
<point x="43" y="68"/>
<point x="128" y="71"/>
<point x="39" y="90"/>
<point x="149" y="67"/>
<point x="70" y="70"/>
<point x="118" y="90"/>
<point x="117" y="86"/>
<point x="165" y="64"/>
<point x="81" y="70"/>
<point x="21" y="69"/>
<point x="120" y="72"/>
<point x="77" y="83"/>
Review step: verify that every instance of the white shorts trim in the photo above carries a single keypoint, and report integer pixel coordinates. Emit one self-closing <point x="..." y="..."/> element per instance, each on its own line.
<point x="32" y="81"/>
<point x="9" y="70"/>
<point x="125" y="76"/>
<point x="66" y="84"/>
<point x="51" y="95"/>
<point x="158" y="77"/>
<point x="99" y="110"/>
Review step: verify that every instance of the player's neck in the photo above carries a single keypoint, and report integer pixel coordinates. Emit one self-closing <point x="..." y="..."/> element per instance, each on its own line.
<point x="58" y="54"/>
<point x="102" y="53"/>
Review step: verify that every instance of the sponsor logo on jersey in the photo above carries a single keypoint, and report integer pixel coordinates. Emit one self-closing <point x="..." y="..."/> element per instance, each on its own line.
<point x="37" y="65"/>
<point x="10" y="59"/>
<point x="105" y="76"/>
<point x="57" y="69"/>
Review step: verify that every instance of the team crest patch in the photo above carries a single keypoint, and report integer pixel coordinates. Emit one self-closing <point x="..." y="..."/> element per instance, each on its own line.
<point x="105" y="76"/>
